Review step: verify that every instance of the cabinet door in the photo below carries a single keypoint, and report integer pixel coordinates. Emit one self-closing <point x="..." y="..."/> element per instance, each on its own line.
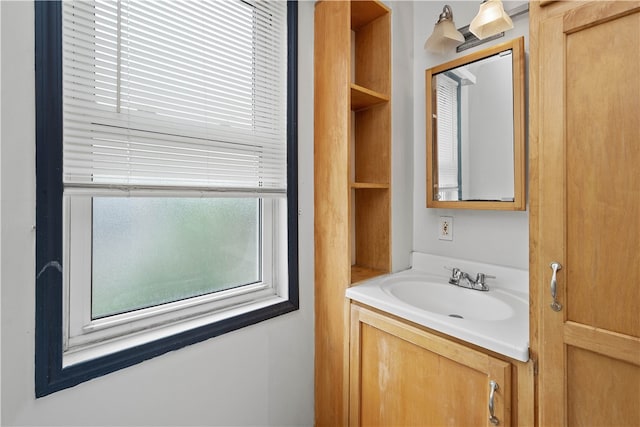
<point x="589" y="215"/>
<point x="403" y="376"/>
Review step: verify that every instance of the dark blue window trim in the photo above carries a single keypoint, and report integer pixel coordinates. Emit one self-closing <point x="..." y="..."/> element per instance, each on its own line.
<point x="49" y="374"/>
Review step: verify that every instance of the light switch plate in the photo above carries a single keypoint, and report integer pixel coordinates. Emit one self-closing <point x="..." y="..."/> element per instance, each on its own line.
<point x="445" y="228"/>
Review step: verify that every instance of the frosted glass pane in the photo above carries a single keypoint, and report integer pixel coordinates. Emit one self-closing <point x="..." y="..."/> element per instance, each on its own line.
<point x="150" y="251"/>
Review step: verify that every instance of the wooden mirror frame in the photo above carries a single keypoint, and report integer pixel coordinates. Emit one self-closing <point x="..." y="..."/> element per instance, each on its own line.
<point x="518" y="58"/>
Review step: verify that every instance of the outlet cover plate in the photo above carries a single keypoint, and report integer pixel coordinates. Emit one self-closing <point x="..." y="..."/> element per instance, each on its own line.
<point x="445" y="228"/>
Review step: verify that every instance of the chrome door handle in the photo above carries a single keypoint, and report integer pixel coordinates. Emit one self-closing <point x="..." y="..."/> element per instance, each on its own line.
<point x="555" y="305"/>
<point x="493" y="386"/>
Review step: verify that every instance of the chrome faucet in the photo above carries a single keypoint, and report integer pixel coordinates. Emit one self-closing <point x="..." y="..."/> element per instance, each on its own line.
<point x="462" y="279"/>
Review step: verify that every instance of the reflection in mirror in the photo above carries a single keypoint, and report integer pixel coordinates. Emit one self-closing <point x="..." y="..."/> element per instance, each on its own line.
<point x="477" y="136"/>
<point x="468" y="97"/>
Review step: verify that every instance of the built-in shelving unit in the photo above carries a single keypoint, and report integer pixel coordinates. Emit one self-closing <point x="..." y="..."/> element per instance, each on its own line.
<point x="352" y="175"/>
<point x="370" y="149"/>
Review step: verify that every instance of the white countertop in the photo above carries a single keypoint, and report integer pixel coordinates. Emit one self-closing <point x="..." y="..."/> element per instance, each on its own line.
<point x="505" y="331"/>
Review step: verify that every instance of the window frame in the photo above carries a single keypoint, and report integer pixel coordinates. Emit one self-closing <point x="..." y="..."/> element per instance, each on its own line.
<point x="51" y="374"/>
<point x="85" y="338"/>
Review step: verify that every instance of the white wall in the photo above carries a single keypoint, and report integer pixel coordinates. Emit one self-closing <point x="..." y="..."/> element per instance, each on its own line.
<point x="260" y="375"/>
<point x="402" y="133"/>
<point x="485" y="236"/>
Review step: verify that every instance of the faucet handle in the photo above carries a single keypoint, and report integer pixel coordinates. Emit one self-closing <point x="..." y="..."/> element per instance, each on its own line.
<point x="454" y="271"/>
<point x="480" y="278"/>
<point x="456" y="274"/>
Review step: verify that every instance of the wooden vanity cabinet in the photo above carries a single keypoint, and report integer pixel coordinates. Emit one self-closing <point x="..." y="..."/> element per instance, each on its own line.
<point x="403" y="374"/>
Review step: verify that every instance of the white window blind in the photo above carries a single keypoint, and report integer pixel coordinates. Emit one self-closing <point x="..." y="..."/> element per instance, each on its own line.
<point x="175" y="94"/>
<point x="447" y="120"/>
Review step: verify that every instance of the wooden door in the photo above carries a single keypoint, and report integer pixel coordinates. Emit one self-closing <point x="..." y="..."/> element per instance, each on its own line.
<point x="403" y="376"/>
<point x="589" y="214"/>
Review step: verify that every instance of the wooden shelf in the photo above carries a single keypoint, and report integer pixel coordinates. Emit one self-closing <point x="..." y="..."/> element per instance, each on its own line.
<point x="364" y="12"/>
<point x="363" y="98"/>
<point x="369" y="185"/>
<point x="358" y="273"/>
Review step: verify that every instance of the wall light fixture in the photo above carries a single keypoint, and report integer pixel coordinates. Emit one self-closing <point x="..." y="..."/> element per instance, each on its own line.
<point x="490" y="20"/>
<point x="445" y="36"/>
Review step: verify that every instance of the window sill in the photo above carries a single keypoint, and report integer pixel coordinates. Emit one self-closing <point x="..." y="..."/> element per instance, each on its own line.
<point x="115" y="345"/>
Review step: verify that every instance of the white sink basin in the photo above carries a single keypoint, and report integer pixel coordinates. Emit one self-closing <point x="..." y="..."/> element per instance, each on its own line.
<point x="497" y="320"/>
<point x="449" y="300"/>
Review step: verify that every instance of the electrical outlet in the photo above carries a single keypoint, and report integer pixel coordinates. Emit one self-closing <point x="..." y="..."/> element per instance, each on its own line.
<point x="445" y="228"/>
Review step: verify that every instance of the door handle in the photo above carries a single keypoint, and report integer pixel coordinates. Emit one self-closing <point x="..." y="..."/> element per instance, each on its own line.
<point x="493" y="386"/>
<point x="555" y="266"/>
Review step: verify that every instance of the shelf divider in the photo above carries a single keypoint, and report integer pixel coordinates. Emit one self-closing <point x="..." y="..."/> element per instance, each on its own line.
<point x="371" y="185"/>
<point x="359" y="273"/>
<point x="363" y="98"/>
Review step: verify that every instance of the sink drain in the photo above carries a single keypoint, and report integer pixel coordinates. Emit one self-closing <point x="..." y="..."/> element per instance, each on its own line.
<point x="457" y="316"/>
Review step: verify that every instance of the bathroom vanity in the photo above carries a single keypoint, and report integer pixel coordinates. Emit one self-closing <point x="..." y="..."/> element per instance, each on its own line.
<point x="412" y="363"/>
<point x="405" y="374"/>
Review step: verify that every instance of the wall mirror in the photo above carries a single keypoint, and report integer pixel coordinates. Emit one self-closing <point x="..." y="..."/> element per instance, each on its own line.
<point x="476" y="130"/>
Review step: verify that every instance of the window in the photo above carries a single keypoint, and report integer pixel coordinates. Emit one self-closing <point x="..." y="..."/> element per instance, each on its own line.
<point x="448" y="133"/>
<point x="166" y="178"/>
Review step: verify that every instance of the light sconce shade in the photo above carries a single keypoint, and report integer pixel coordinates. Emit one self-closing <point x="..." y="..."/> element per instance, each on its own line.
<point x="445" y="36"/>
<point x="490" y="20"/>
